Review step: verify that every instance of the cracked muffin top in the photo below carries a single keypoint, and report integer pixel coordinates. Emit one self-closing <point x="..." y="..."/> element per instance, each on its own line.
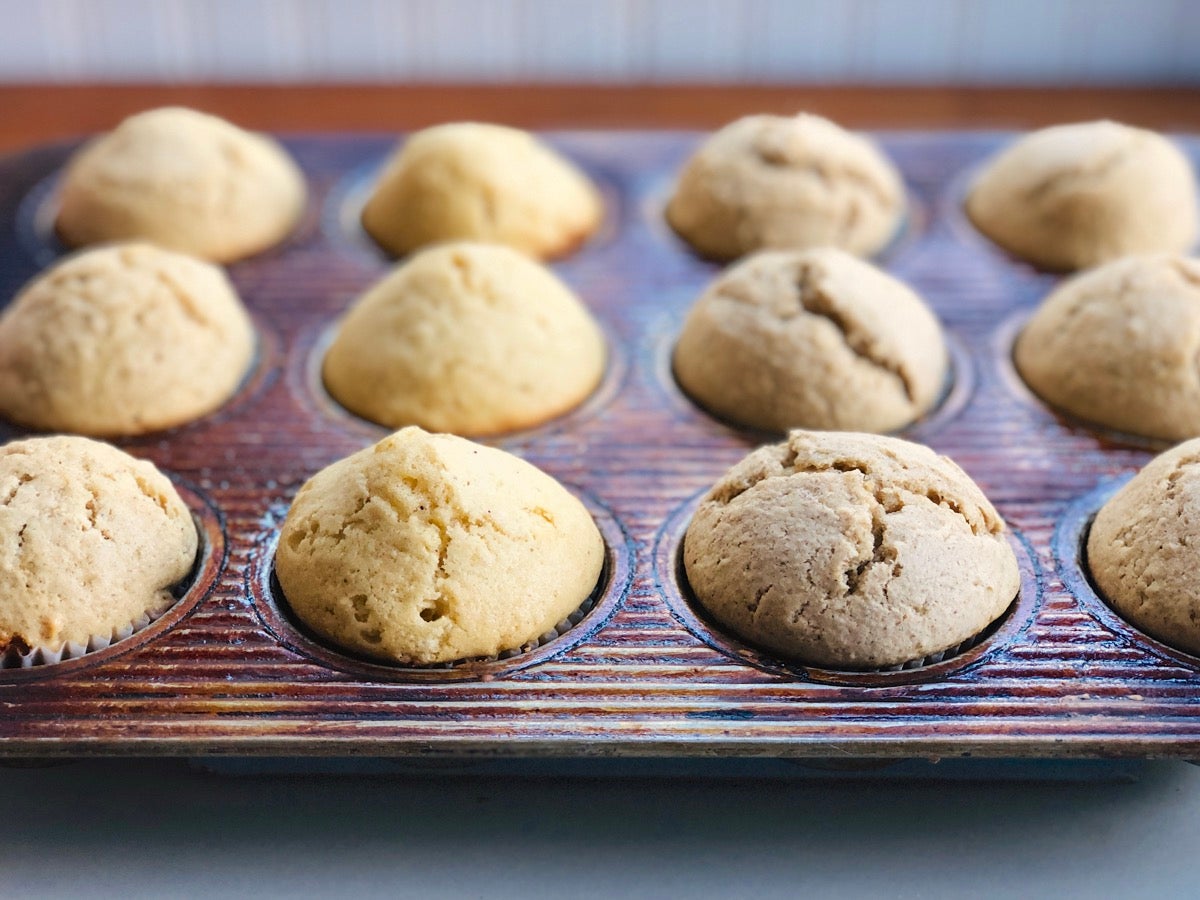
<point x="480" y="182"/>
<point x="850" y="551"/>
<point x="473" y="339"/>
<point x="428" y="548"/>
<point x="75" y="515"/>
<point x="122" y="340"/>
<point x="1119" y="345"/>
<point x="786" y="182"/>
<point x="1074" y="196"/>
<point x="182" y="180"/>
<point x="1141" y="548"/>
<point x="811" y="339"/>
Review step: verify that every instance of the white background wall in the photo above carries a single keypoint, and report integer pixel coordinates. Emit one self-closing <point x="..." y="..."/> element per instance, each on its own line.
<point x="1045" y="41"/>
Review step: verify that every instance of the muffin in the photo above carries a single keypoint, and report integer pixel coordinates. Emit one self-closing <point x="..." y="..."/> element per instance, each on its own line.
<point x="1141" y="549"/>
<point x="787" y="183"/>
<point x="811" y="339"/>
<point x="850" y="551"/>
<point x="1118" y="346"/>
<point x="121" y="340"/>
<point x="474" y="339"/>
<point x="1075" y="196"/>
<point x="93" y="541"/>
<point x="185" y="181"/>
<point x="427" y="548"/>
<point x="477" y="182"/>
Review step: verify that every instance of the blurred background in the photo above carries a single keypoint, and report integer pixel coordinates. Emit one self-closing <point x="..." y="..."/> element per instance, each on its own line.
<point x="1054" y="42"/>
<point x="70" y="67"/>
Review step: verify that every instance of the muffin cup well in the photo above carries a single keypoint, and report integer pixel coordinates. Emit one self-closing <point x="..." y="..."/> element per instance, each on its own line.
<point x="656" y="195"/>
<point x="951" y="206"/>
<point x="1003" y="348"/>
<point x="673" y="585"/>
<point x="306" y="382"/>
<point x="37" y="235"/>
<point x="957" y="389"/>
<point x="340" y="219"/>
<point x="33" y="225"/>
<point x="14" y="658"/>
<point x="1069" y="545"/>
<point x="210" y="559"/>
<point x="616" y="577"/>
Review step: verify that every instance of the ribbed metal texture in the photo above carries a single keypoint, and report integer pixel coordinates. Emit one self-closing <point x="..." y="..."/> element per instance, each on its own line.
<point x="642" y="674"/>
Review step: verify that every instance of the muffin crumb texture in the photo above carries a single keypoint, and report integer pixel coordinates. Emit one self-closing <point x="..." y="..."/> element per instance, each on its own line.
<point x="1074" y="196"/>
<point x="482" y="182"/>
<point x="428" y="548"/>
<point x="786" y="183"/>
<point x="1141" y="549"/>
<point x="93" y="540"/>
<point x="1118" y="345"/>
<point x="183" y="180"/>
<point x="122" y="340"/>
<point x="811" y="339"/>
<point x="850" y="551"/>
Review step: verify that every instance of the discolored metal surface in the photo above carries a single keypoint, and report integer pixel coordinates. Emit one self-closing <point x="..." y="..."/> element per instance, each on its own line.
<point x="642" y="673"/>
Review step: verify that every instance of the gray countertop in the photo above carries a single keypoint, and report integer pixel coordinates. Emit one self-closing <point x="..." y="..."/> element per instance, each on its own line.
<point x="164" y="828"/>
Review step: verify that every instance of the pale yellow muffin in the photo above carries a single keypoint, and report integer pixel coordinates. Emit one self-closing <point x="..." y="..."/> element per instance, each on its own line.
<point x="1141" y="549"/>
<point x="1078" y="195"/>
<point x="92" y="541"/>
<point x="811" y="339"/>
<point x="1118" y="345"/>
<point x="183" y="180"/>
<point x="786" y="183"/>
<point x="473" y="339"/>
<point x="121" y="340"/>
<point x="472" y="181"/>
<point x="427" y="548"/>
<point x="850" y="551"/>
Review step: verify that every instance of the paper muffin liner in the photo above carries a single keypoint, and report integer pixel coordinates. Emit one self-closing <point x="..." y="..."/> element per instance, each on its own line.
<point x="13" y="657"/>
<point x="940" y="656"/>
<point x="282" y="619"/>
<point x="38" y="655"/>
<point x="563" y="626"/>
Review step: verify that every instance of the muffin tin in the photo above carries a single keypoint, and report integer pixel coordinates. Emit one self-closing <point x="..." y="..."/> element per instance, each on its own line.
<point x="642" y="672"/>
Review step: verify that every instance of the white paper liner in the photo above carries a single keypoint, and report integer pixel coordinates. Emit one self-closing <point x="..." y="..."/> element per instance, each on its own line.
<point x="12" y="658"/>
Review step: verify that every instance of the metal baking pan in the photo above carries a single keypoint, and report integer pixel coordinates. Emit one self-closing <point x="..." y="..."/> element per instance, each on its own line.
<point x="227" y="672"/>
